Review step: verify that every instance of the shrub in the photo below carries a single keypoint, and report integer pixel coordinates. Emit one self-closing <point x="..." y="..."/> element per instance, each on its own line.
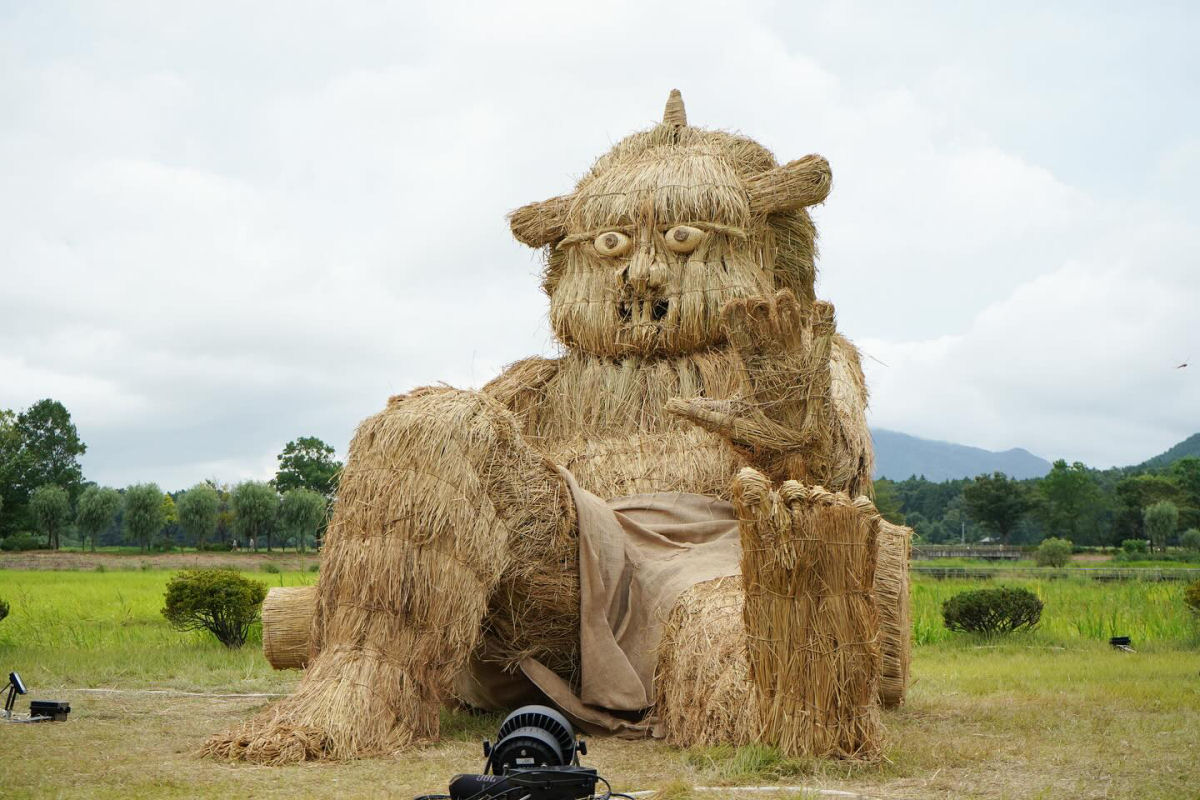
<point x="1053" y="552"/>
<point x="1000" y="610"/>
<point x="1132" y="546"/>
<point x="217" y="600"/>
<point x="314" y="568"/>
<point x="24" y="540"/>
<point x="1190" y="540"/>
<point x="3" y="608"/>
<point x="270" y="567"/>
<point x="1191" y="596"/>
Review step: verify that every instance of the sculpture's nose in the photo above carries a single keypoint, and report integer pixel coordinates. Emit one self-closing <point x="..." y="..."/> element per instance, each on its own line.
<point x="645" y="273"/>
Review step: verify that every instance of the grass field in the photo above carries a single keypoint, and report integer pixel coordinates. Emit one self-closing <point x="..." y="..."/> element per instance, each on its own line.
<point x="1052" y="713"/>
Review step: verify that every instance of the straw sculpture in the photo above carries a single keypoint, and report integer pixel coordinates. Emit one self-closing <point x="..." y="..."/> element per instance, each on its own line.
<point x="680" y="275"/>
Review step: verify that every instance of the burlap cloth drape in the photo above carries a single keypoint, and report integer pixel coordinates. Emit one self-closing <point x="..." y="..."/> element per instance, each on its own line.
<point x="636" y="555"/>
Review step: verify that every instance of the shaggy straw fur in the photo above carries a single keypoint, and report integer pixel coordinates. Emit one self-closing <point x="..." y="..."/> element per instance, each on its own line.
<point x="420" y="539"/>
<point x="808" y="563"/>
<point x="895" y="618"/>
<point x="683" y="363"/>
<point x="287" y="615"/>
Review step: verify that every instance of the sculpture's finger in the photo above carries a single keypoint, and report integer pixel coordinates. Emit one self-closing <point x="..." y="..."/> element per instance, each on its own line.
<point x="735" y="319"/>
<point x="751" y="493"/>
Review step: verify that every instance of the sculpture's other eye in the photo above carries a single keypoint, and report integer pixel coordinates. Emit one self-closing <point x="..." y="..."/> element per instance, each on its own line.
<point x="612" y="244"/>
<point x="684" y="238"/>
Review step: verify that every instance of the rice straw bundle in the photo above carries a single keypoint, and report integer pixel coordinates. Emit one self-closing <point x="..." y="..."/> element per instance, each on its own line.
<point x="287" y="615"/>
<point x="808" y="562"/>
<point x="895" y="616"/>
<point x="702" y="692"/>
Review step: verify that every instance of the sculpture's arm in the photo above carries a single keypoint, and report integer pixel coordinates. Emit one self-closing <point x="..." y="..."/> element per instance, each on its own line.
<point x="519" y="388"/>
<point x="786" y="421"/>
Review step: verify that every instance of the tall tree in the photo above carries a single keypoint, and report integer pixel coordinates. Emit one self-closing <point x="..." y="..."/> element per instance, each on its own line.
<point x="170" y="521"/>
<point x="996" y="502"/>
<point x="302" y="515"/>
<point x="308" y="463"/>
<point x="1134" y="494"/>
<point x="98" y="507"/>
<point x="143" y="513"/>
<point x="256" y="505"/>
<point x="198" y="510"/>
<point x="1185" y="473"/>
<point x="14" y="495"/>
<point x="1161" y="520"/>
<point x="39" y="446"/>
<point x="52" y="446"/>
<point x="51" y="509"/>
<point x="1071" y="502"/>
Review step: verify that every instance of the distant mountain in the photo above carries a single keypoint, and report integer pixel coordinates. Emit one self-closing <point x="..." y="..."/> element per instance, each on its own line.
<point x="899" y="456"/>
<point x="1188" y="447"/>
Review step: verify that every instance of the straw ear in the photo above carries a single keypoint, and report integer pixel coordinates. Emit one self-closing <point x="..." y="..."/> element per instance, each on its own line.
<point x="800" y="183"/>
<point x="540" y="224"/>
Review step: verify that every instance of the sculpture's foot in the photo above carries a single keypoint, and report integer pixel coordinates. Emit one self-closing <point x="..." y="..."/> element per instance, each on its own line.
<point x="702" y="696"/>
<point x="348" y="706"/>
<point x="812" y="627"/>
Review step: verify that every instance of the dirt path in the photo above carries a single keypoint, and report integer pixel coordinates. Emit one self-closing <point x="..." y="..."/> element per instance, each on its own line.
<point x="252" y="562"/>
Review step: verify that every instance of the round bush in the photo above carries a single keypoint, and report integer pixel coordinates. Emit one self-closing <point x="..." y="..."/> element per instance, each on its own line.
<point x="1191" y="596"/>
<point x="1132" y="546"/>
<point x="1053" y="552"/>
<point x="1000" y="610"/>
<point x="216" y="600"/>
<point x="1190" y="540"/>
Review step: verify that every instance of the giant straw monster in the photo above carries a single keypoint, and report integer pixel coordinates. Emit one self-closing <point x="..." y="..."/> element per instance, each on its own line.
<point x="680" y="276"/>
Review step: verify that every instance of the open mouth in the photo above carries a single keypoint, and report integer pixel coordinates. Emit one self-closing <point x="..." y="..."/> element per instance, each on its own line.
<point x="643" y="311"/>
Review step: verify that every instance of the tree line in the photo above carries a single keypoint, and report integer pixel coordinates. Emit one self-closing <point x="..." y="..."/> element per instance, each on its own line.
<point x="1085" y="506"/>
<point x="44" y="497"/>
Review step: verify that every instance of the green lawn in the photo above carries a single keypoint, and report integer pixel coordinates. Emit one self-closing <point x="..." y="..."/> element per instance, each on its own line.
<point x="1052" y="713"/>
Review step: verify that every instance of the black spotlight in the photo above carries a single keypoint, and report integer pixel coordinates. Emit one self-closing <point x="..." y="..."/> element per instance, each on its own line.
<point x="536" y="757"/>
<point x="533" y="736"/>
<point x="15" y="687"/>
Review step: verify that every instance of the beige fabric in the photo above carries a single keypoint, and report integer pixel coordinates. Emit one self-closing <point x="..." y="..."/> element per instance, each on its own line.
<point x="636" y="555"/>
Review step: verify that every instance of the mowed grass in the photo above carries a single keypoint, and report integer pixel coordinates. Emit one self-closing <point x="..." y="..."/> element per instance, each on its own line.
<point x="1052" y="713"/>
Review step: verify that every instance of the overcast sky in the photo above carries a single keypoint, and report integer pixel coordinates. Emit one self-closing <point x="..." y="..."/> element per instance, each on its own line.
<point x="225" y="227"/>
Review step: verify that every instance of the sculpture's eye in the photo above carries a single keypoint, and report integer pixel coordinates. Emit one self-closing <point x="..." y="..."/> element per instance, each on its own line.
<point x="612" y="244"/>
<point x="684" y="238"/>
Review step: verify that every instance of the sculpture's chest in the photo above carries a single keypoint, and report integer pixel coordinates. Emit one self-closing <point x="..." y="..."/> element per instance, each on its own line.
<point x="605" y="421"/>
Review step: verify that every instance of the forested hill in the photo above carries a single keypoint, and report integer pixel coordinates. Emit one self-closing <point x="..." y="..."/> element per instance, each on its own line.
<point x="1188" y="447"/>
<point x="899" y="456"/>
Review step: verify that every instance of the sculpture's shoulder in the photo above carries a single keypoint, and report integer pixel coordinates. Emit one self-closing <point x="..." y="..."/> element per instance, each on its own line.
<point x="520" y="386"/>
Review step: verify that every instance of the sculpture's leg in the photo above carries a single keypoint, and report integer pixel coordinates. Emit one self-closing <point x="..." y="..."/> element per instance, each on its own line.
<point x="433" y="489"/>
<point x="812" y="626"/>
<point x="702" y="692"/>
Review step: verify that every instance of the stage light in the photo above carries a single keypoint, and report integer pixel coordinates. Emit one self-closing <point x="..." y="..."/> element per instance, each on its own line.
<point x="15" y="687"/>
